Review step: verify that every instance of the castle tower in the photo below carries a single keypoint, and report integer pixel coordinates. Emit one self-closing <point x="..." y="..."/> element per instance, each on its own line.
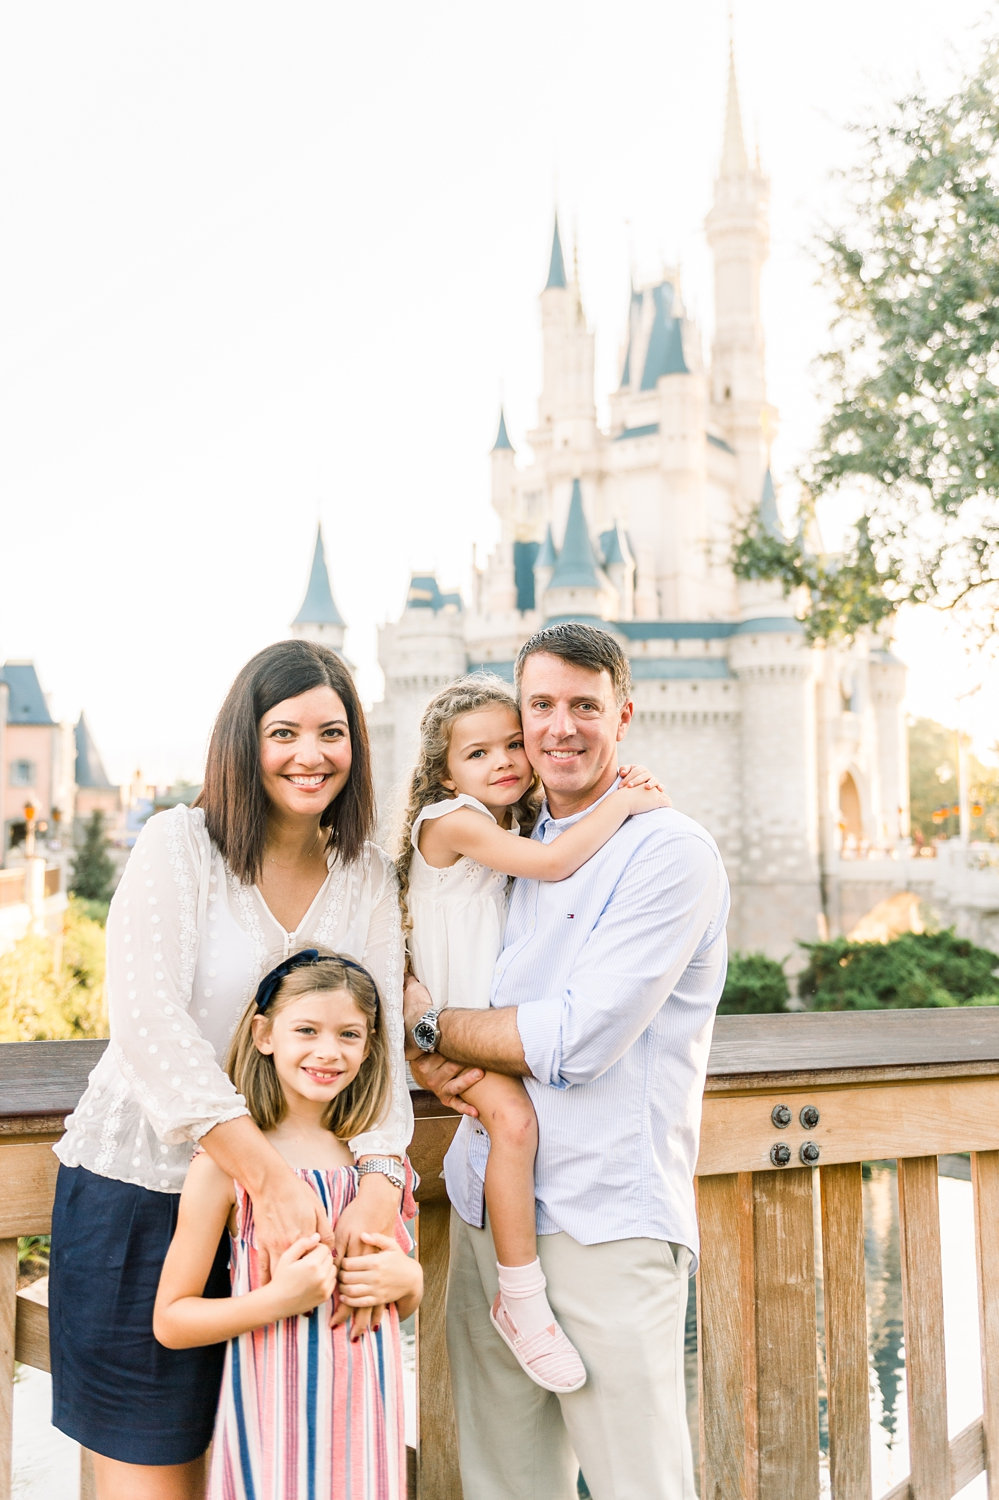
<point x="778" y="866"/>
<point x="738" y="233"/>
<point x="319" y="620"/>
<point x="578" y="589"/>
<point x="566" y="407"/>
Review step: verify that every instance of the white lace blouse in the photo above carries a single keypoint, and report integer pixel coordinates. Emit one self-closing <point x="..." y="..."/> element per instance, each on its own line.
<point x="187" y="945"/>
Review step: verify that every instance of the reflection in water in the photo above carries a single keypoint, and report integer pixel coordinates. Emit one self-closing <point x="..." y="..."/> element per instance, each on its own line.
<point x="884" y="1289"/>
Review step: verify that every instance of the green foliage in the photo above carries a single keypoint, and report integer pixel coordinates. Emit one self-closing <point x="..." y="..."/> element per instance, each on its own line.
<point x="93" y="868"/>
<point x="915" y="970"/>
<point x="754" y="984"/>
<point x="933" y="784"/>
<point x="913" y="426"/>
<point x="54" y="987"/>
<point x="32" y="1257"/>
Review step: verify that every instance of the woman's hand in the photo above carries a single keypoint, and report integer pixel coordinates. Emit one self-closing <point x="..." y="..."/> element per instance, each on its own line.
<point x="285" y="1212"/>
<point x="304" y="1276"/>
<point x="385" y="1274"/>
<point x="373" y="1211"/>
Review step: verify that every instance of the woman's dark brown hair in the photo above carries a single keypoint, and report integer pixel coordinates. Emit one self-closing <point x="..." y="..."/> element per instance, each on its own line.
<point x="233" y="796"/>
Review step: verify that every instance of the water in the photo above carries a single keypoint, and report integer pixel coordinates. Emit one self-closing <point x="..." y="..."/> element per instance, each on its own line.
<point x="46" y="1464"/>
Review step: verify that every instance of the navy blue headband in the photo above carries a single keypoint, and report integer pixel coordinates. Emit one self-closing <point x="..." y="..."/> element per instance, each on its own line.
<point x="271" y="983"/>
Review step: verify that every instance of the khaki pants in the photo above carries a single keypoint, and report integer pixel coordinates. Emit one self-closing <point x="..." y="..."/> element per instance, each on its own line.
<point x="622" y="1303"/>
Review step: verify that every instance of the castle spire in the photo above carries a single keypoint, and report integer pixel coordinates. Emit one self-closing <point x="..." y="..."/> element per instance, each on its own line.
<point x="502" y="436"/>
<point x="576" y="565"/>
<point x="318" y="607"/>
<point x="556" y="268"/>
<point x="734" y="158"/>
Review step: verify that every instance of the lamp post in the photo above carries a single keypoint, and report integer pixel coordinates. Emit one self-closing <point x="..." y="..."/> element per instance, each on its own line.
<point x="29" y="827"/>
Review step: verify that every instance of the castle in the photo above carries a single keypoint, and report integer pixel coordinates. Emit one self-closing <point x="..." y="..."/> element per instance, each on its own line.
<point x="788" y="753"/>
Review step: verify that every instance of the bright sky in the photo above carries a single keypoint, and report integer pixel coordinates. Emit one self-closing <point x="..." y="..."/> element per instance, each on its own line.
<point x="264" y="265"/>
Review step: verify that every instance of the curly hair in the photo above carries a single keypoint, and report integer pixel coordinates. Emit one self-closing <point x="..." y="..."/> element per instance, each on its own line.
<point x="426" y="785"/>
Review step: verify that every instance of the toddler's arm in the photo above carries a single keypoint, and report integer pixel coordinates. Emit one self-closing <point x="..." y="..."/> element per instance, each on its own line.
<point x="183" y="1317"/>
<point x="466" y="831"/>
<point x="386" y="1275"/>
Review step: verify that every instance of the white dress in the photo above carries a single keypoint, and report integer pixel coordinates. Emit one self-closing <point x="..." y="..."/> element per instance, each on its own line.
<point x="458" y="917"/>
<point x="188" y="943"/>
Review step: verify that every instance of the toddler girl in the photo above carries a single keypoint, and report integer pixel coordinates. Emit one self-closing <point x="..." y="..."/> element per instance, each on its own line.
<point x="306" y="1410"/>
<point x="470" y="798"/>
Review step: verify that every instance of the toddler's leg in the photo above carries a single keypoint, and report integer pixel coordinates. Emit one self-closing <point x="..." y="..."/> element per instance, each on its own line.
<point x="521" y="1314"/>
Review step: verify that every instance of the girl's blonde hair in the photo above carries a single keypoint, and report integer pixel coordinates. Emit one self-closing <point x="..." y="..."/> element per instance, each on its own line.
<point x="426" y="785"/>
<point x="363" y="1102"/>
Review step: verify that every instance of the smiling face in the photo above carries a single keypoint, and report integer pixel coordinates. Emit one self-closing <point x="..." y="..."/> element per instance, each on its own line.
<point x="486" y="757"/>
<point x="572" y="724"/>
<point x="318" y="1042"/>
<point x="305" y="754"/>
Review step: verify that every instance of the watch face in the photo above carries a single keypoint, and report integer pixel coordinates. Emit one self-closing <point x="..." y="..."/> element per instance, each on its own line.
<point x="425" y="1035"/>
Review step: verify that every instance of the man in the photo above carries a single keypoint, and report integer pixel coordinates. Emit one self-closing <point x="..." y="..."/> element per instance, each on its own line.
<point x="603" y="1002"/>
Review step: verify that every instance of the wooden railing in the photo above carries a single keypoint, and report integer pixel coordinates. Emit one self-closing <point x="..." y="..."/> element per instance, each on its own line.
<point x="903" y="1085"/>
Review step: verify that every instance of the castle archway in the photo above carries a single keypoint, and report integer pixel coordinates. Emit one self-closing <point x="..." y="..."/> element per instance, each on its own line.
<point x="850" y="820"/>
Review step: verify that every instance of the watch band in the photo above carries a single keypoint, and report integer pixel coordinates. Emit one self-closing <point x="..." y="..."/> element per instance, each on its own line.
<point x="387" y="1166"/>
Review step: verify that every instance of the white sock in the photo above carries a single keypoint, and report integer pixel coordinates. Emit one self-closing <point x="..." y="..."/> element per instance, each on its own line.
<point x="522" y="1291"/>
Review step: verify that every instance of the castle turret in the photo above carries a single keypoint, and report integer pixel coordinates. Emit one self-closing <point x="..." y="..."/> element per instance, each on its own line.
<point x="319" y="620"/>
<point x="619" y="565"/>
<point x="578" y="589"/>
<point x="544" y="563"/>
<point x="738" y="233"/>
<point x="566" y="407"/>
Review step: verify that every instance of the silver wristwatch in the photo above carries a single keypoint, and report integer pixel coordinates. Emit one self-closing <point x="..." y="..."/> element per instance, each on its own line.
<point x="426" y="1032"/>
<point x="388" y="1166"/>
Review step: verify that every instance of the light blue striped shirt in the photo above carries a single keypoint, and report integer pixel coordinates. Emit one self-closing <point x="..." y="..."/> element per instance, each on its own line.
<point x="616" y="972"/>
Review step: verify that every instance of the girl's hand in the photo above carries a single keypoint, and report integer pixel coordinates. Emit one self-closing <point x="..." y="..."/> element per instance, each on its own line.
<point x="638" y="776"/>
<point x="386" y="1274"/>
<point x="284" y="1213"/>
<point x="304" y="1276"/>
<point x="643" y="799"/>
<point x="373" y="1211"/>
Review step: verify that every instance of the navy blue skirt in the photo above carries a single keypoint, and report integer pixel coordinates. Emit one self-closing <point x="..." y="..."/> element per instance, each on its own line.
<point x="114" y="1388"/>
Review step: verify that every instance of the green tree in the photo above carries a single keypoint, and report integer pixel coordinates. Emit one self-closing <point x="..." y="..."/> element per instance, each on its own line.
<point x="754" y="984"/>
<point x="913" y="376"/>
<point x="933" y="784"/>
<point x="93" y="868"/>
<point x="914" y="970"/>
<point x="51" y="989"/>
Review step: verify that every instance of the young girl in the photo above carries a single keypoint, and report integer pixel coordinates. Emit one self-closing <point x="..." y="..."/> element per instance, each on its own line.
<point x="470" y="795"/>
<point x="307" y="1409"/>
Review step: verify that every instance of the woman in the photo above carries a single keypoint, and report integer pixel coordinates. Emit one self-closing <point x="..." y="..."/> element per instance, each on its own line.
<point x="272" y="857"/>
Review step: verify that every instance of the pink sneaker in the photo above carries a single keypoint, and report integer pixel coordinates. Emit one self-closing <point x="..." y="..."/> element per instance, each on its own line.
<point x="547" y="1357"/>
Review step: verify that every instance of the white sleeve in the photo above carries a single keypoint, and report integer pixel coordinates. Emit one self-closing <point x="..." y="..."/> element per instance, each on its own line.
<point x="383" y="956"/>
<point x="152" y="943"/>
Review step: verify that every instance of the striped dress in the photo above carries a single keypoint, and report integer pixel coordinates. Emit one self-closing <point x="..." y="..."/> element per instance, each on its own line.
<point x="305" y="1414"/>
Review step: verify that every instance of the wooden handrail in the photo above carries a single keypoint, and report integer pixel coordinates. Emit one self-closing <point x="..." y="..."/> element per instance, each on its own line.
<point x="906" y="1085"/>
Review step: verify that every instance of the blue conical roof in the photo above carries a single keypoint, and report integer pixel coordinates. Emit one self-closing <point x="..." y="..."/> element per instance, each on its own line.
<point x="576" y="566"/>
<point x="658" y="348"/>
<point x="675" y="363"/>
<point x="556" y="268"/>
<point x="546" y="556"/>
<point x="769" y="516"/>
<point x="318" y="607"/>
<point x="90" y="770"/>
<point x="502" y="437"/>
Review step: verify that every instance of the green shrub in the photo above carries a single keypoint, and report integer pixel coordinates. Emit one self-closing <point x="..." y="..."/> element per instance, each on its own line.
<point x="915" y="970"/>
<point x="54" y="987"/>
<point x="755" y="984"/>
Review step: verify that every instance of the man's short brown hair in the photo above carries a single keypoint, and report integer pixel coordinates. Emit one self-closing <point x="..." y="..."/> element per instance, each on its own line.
<point x="583" y="646"/>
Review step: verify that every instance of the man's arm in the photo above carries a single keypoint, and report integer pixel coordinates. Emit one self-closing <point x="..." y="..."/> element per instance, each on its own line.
<point x="646" y="948"/>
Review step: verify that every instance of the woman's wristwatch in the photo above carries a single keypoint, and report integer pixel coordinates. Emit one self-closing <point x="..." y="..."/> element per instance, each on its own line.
<point x="388" y="1166"/>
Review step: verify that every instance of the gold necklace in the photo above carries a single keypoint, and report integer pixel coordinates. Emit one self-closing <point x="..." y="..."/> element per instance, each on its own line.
<point x="272" y="859"/>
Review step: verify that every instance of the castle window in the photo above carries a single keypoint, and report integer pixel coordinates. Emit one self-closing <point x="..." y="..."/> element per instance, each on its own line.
<point x="22" y="773"/>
